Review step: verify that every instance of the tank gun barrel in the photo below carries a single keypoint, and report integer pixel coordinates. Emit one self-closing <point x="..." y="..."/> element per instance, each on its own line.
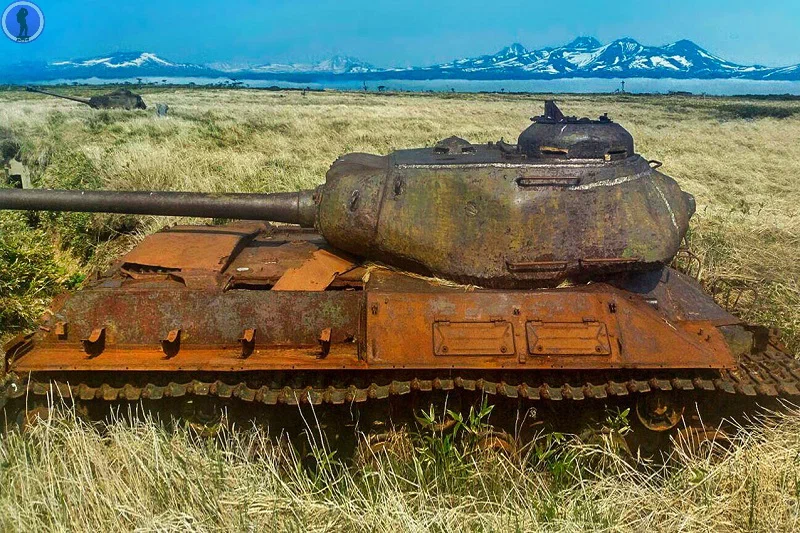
<point x="73" y="98"/>
<point x="288" y="207"/>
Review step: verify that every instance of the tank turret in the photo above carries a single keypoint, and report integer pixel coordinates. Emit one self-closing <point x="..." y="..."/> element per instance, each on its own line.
<point x="118" y="99"/>
<point x="571" y="200"/>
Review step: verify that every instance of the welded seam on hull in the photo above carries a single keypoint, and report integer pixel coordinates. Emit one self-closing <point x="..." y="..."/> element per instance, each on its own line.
<point x="610" y="182"/>
<point x="588" y="186"/>
<point x="669" y="207"/>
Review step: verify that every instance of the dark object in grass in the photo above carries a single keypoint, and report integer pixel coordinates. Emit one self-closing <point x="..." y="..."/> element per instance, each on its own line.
<point x="118" y="99"/>
<point x="756" y="111"/>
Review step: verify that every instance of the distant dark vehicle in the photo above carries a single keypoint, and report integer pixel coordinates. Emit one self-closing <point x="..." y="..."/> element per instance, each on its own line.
<point x="119" y="99"/>
<point x="9" y="145"/>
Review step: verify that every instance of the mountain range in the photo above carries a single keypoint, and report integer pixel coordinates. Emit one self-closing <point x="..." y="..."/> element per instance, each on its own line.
<point x="584" y="57"/>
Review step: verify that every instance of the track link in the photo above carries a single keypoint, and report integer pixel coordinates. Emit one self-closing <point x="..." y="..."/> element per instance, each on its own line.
<point x="771" y="372"/>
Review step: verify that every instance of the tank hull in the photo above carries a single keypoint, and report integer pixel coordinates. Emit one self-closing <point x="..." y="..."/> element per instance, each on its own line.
<point x="234" y="310"/>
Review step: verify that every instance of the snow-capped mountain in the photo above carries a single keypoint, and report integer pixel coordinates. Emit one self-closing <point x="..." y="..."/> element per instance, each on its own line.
<point x="784" y="74"/>
<point x="587" y="57"/>
<point x="149" y="65"/>
<point x="122" y="60"/>
<point x="584" y="57"/>
<point x="336" y="65"/>
<point x="109" y="66"/>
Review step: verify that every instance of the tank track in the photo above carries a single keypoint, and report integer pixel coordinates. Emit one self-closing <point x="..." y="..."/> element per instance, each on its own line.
<point x="770" y="372"/>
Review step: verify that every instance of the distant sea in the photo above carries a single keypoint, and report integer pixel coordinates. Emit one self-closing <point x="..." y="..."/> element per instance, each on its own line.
<point x="574" y="85"/>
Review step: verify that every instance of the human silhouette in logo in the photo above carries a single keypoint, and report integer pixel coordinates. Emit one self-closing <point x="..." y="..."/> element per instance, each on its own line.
<point x="22" y="19"/>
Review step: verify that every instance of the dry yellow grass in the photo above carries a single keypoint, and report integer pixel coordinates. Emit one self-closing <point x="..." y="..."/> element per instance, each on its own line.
<point x="67" y="476"/>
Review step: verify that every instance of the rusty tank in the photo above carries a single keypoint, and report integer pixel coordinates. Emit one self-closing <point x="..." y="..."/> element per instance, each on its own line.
<point x="118" y="99"/>
<point x="534" y="273"/>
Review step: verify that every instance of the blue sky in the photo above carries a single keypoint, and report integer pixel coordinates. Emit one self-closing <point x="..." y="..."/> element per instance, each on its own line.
<point x="404" y="33"/>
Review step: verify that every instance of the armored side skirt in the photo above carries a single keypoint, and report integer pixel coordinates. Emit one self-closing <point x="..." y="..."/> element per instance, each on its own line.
<point x="394" y="322"/>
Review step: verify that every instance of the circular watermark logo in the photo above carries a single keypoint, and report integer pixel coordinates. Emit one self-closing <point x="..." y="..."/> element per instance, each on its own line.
<point x="23" y="22"/>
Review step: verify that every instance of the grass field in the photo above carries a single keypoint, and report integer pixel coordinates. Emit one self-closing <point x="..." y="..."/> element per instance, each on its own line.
<point x="740" y="158"/>
<point x="67" y="476"/>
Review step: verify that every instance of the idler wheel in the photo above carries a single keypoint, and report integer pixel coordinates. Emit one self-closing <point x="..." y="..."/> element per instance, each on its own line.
<point x="658" y="411"/>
